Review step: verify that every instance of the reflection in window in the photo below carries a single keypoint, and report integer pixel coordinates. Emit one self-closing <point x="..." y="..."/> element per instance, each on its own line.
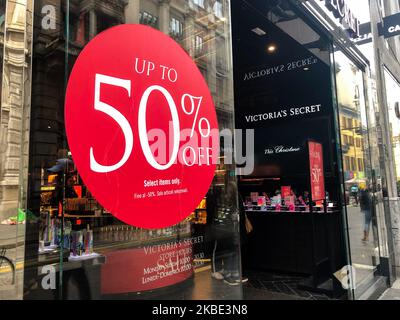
<point x="72" y="28"/>
<point x="84" y="218"/>
<point x="358" y="139"/>
<point x="199" y="3"/>
<point x="198" y="45"/>
<point x="148" y="19"/>
<point x="393" y="103"/>
<point x="176" y="27"/>
<point x="218" y="9"/>
<point x="104" y="22"/>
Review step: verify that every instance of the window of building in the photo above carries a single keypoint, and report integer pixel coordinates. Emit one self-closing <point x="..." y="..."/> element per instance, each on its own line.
<point x="203" y="72"/>
<point x="199" y="3"/>
<point x="72" y="26"/>
<point x="342" y="121"/>
<point x="148" y="19"/>
<point x="349" y="123"/>
<point x="198" y="44"/>
<point x="393" y="101"/>
<point x="353" y="164"/>
<point x="360" y="164"/>
<point x="176" y="27"/>
<point x="104" y="22"/>
<point x="358" y="143"/>
<point x="347" y="163"/>
<point x="218" y="9"/>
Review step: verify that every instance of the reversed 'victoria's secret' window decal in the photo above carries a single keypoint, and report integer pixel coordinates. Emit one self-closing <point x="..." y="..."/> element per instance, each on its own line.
<point x="141" y="126"/>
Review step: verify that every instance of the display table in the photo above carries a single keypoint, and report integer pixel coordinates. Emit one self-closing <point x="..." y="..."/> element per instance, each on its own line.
<point x="285" y="242"/>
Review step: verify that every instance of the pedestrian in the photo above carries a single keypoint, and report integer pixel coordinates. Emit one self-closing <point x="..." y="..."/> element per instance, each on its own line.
<point x="366" y="210"/>
<point x="354" y="193"/>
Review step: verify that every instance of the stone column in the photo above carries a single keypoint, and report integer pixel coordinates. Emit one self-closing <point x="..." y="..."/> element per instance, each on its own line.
<point x="188" y="33"/>
<point x="164" y="16"/>
<point x="211" y="59"/>
<point x="92" y="24"/>
<point x="132" y="11"/>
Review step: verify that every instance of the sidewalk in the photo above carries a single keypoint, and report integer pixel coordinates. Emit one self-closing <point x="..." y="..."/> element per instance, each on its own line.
<point x="392" y="293"/>
<point x="13" y="244"/>
<point x="8" y="235"/>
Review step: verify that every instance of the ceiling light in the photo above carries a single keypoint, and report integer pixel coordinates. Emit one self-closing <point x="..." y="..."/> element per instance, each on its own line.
<point x="258" y="31"/>
<point x="306" y="68"/>
<point x="271" y="48"/>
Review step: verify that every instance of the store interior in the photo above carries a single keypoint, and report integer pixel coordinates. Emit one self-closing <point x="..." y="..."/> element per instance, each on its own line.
<point x="284" y="91"/>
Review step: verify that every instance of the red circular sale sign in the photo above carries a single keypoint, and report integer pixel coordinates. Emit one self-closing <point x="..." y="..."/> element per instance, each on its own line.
<point x="141" y="126"/>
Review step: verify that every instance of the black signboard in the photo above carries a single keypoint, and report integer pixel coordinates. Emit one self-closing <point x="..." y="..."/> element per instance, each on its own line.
<point x="365" y="34"/>
<point x="283" y="91"/>
<point x="390" y="26"/>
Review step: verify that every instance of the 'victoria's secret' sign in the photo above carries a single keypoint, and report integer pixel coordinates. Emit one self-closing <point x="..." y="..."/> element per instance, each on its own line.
<point x="285" y="97"/>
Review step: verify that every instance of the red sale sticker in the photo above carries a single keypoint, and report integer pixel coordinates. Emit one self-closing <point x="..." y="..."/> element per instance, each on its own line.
<point x="317" y="176"/>
<point x="141" y="126"/>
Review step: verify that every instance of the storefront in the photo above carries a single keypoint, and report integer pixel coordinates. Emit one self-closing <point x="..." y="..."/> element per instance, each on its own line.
<point x="91" y="207"/>
<point x="73" y="246"/>
<point x="315" y="197"/>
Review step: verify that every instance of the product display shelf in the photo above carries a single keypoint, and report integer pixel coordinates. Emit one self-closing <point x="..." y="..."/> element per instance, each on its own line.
<point x="72" y="264"/>
<point x="299" y="209"/>
<point x="51" y="257"/>
<point x="78" y="216"/>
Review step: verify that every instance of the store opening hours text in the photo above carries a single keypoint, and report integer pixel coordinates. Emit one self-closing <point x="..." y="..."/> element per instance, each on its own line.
<point x="170" y="259"/>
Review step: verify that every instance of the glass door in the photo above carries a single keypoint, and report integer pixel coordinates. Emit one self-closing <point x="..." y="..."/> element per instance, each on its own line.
<point x="362" y="189"/>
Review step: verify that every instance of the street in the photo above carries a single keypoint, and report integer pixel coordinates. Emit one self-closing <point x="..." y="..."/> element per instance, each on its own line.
<point x="12" y="239"/>
<point x="362" y="253"/>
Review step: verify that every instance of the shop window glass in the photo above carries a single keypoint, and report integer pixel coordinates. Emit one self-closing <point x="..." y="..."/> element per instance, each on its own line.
<point x="15" y="83"/>
<point x="393" y="103"/>
<point x="360" y="182"/>
<point x="69" y="223"/>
